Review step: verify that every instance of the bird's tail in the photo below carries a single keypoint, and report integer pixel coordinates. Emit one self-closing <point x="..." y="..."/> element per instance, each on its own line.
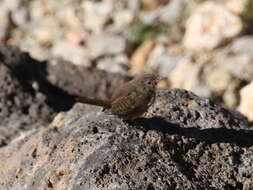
<point x="85" y="100"/>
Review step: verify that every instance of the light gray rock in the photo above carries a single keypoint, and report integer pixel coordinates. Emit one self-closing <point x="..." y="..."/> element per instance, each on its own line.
<point x="242" y="45"/>
<point x="210" y="25"/>
<point x="235" y="6"/>
<point x="166" y="14"/>
<point x="106" y="44"/>
<point x="117" y="64"/>
<point x="96" y="14"/>
<point x="218" y="80"/>
<point x="20" y="15"/>
<point x="185" y="75"/>
<point x="73" y="53"/>
<point x="134" y="5"/>
<point x="171" y="12"/>
<point x="246" y="102"/>
<point x="162" y="60"/>
<point x="123" y="18"/>
<point x="238" y="64"/>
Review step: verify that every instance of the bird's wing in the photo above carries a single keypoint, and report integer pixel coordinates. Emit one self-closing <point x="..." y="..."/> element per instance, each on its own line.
<point x="125" y="104"/>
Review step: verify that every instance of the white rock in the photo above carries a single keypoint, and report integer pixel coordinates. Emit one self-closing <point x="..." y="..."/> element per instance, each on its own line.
<point x="230" y="98"/>
<point x="106" y="44"/>
<point x="171" y="12"/>
<point x="218" y="80"/>
<point x="240" y="65"/>
<point x="123" y="17"/>
<point x="243" y="45"/>
<point x="36" y="10"/>
<point x="76" y="54"/>
<point x="185" y="75"/>
<point x="43" y="35"/>
<point x="96" y="14"/>
<point x="209" y="26"/>
<point x="134" y="5"/>
<point x="246" y="102"/>
<point x="69" y="16"/>
<point x="20" y="16"/>
<point x="236" y="6"/>
<point x="35" y="50"/>
<point x="162" y="60"/>
<point x="117" y="64"/>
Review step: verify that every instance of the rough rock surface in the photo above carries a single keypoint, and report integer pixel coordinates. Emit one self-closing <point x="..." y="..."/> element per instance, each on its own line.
<point x="187" y="143"/>
<point x="32" y="92"/>
<point x="90" y="82"/>
<point x="22" y="107"/>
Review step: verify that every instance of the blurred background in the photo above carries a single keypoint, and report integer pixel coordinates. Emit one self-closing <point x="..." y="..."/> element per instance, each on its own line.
<point x="198" y="45"/>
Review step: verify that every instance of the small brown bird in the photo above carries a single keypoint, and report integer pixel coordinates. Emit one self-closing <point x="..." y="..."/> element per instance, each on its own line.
<point x="131" y="99"/>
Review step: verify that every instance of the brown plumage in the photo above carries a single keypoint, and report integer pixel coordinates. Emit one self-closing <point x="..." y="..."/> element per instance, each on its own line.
<point x="131" y="99"/>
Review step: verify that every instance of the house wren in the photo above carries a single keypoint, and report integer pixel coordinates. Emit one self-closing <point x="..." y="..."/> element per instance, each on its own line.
<point x="129" y="100"/>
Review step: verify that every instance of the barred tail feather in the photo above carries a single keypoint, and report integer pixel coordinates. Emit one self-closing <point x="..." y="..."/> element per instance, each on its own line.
<point x="102" y="103"/>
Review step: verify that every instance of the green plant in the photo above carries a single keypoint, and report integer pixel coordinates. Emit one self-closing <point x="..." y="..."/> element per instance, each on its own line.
<point x="248" y="16"/>
<point x="141" y="32"/>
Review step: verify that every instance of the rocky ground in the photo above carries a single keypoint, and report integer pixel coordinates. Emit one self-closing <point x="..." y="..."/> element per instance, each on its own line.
<point x="198" y="133"/>
<point x="211" y="40"/>
<point x="33" y="92"/>
<point x="183" y="142"/>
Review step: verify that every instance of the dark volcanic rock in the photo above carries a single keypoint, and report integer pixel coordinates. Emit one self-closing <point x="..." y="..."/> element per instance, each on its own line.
<point x="89" y="82"/>
<point x="191" y="143"/>
<point x="21" y="106"/>
<point x="186" y="109"/>
<point x="33" y="92"/>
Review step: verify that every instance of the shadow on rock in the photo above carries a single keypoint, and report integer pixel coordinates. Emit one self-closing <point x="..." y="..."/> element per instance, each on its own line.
<point x="243" y="138"/>
<point x="32" y="92"/>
